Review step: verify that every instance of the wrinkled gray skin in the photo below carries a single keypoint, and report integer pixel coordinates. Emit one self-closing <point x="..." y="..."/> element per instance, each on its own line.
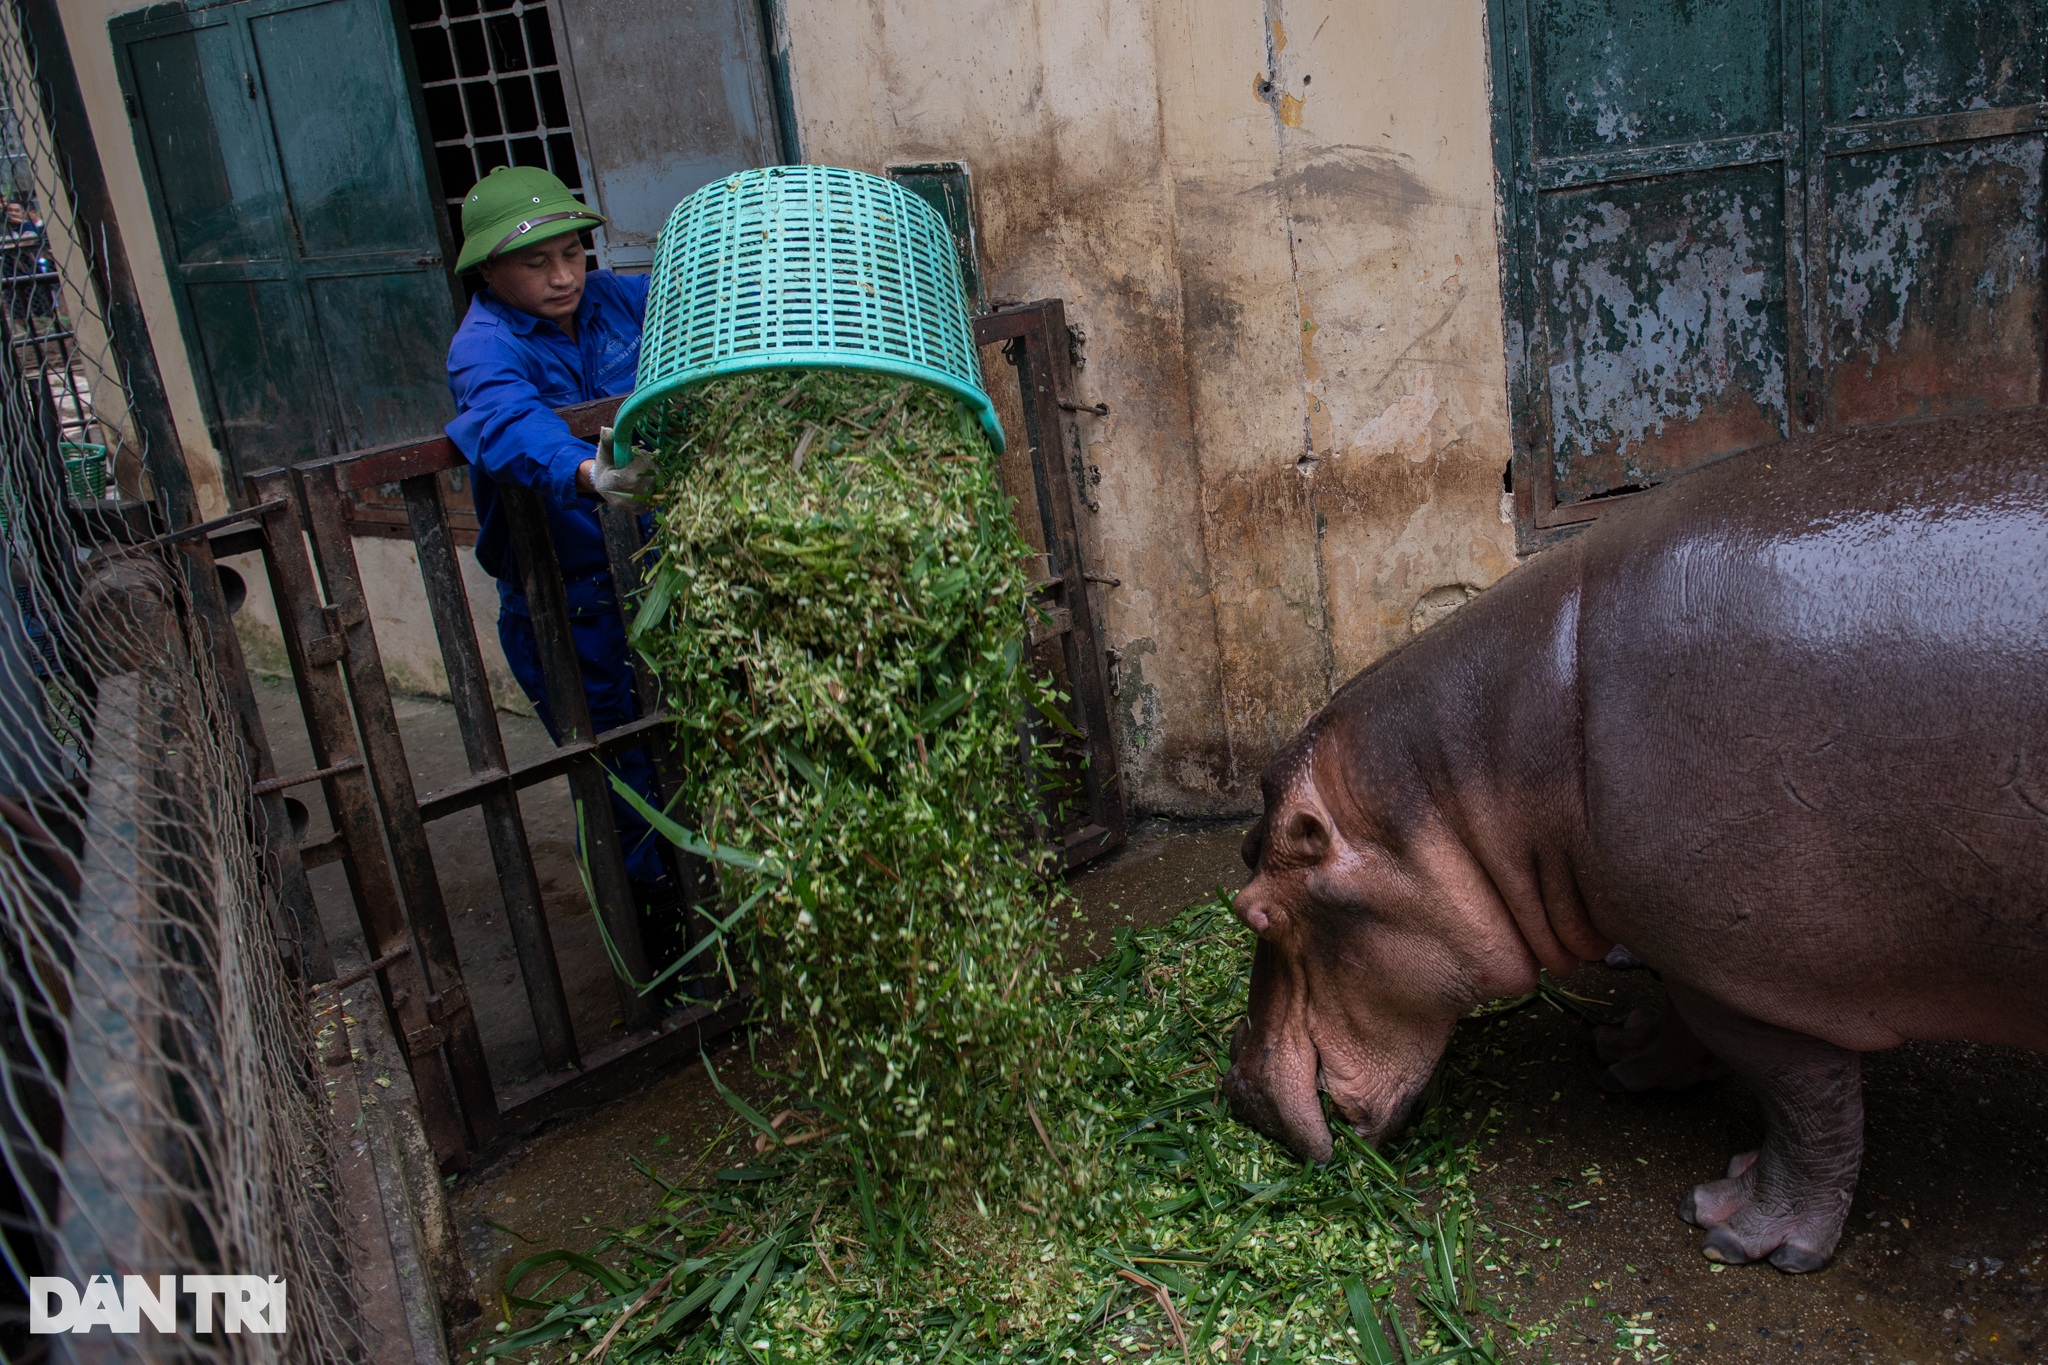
<point x="1780" y="727"/>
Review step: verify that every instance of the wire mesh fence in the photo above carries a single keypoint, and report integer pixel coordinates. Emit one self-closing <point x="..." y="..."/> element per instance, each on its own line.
<point x="161" y="1104"/>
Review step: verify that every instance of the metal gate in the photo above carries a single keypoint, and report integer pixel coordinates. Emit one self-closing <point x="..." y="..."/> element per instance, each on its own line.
<point x="303" y="527"/>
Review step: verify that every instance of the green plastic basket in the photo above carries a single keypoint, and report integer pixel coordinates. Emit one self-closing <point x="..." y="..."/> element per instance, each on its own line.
<point x="85" y="469"/>
<point x="804" y="267"/>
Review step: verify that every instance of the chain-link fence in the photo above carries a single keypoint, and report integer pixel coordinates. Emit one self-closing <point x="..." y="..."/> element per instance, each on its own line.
<point x="161" y="1105"/>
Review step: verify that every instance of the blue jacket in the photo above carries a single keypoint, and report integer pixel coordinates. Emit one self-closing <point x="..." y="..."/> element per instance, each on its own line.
<point x="508" y="371"/>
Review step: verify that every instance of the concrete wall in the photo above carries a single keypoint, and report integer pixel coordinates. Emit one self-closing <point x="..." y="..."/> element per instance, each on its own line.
<point x="1274" y="220"/>
<point x="1276" y="224"/>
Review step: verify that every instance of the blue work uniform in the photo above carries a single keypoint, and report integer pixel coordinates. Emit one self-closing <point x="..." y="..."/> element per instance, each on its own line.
<point x="509" y="371"/>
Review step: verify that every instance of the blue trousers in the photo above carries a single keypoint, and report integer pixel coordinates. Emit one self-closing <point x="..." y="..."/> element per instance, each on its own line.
<point x="608" y="682"/>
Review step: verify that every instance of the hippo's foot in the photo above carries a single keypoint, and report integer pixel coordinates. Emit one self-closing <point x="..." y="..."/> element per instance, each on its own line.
<point x="1654" y="1050"/>
<point x="1742" y="1227"/>
<point x="1785" y="1203"/>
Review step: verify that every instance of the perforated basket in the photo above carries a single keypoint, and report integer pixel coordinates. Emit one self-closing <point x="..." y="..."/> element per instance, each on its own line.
<point x="803" y="267"/>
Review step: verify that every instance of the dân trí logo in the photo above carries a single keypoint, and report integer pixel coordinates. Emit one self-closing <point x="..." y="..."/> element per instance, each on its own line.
<point x="241" y="1303"/>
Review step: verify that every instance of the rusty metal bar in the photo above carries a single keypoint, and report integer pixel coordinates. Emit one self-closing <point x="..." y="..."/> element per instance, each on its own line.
<point x="483" y="746"/>
<point x="626" y="1064"/>
<point x="362" y="973"/>
<point x="285" y="784"/>
<point x="452" y="1023"/>
<point x="541" y="576"/>
<point x="410" y="459"/>
<point x="459" y="796"/>
<point x="1044" y="374"/>
<point x="196" y="531"/>
<point x="308" y="629"/>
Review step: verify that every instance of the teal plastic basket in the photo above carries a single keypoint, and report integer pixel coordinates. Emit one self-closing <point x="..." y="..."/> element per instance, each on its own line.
<point x="804" y="267"/>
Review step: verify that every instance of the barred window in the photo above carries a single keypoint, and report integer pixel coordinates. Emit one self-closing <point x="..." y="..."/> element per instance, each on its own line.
<point x="494" y="92"/>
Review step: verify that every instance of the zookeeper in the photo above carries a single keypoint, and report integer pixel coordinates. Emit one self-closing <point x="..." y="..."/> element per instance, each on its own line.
<point x="542" y="334"/>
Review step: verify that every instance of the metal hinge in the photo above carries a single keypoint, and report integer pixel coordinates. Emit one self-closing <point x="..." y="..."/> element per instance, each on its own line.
<point x="1049" y="623"/>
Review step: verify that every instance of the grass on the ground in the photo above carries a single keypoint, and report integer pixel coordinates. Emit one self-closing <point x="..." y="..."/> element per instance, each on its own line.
<point x="777" y="1245"/>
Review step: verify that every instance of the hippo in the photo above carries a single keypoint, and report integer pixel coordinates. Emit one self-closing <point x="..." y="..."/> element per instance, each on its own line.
<point x="1779" y="726"/>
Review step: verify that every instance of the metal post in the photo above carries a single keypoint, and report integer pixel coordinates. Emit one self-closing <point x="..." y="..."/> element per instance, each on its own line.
<point x="391" y="778"/>
<point x="313" y="638"/>
<point x="484" y="747"/>
<point x="541" y="576"/>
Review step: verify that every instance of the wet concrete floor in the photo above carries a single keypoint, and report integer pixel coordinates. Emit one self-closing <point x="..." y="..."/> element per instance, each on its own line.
<point x="1945" y="1259"/>
<point x="469" y="880"/>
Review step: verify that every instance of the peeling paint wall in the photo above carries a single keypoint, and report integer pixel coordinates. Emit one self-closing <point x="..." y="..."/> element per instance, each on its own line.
<point x="1276" y="223"/>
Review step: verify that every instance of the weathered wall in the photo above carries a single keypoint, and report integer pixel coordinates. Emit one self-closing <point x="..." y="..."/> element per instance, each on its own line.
<point x="1055" y="107"/>
<point x="404" y="624"/>
<point x="1276" y="223"/>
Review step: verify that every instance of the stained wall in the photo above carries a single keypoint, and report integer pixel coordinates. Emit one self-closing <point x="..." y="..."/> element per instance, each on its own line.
<point x="1275" y="223"/>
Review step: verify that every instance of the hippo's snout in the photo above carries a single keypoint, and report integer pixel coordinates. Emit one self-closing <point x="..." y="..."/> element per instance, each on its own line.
<point x="1294" y="1120"/>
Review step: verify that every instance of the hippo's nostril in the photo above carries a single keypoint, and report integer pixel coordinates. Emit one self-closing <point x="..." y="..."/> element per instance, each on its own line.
<point x="1253" y="845"/>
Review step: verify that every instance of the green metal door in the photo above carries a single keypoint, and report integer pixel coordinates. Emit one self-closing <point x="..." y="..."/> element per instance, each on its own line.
<point x="298" y="223"/>
<point x="1729" y="220"/>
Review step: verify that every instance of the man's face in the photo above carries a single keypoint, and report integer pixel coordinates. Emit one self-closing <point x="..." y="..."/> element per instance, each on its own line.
<point x="545" y="279"/>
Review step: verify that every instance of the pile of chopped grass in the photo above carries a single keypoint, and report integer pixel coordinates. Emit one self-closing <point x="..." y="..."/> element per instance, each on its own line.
<point x="1213" y="1243"/>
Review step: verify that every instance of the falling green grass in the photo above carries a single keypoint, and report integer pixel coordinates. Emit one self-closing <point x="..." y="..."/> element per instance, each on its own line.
<point x="1212" y="1242"/>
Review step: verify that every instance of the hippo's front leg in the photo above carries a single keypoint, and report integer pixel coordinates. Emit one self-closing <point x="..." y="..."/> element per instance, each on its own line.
<point x="1788" y="1200"/>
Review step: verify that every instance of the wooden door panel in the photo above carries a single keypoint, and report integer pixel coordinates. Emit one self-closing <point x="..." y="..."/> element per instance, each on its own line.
<point x="1728" y="220"/>
<point x="382" y="357"/>
<point x="1889" y="59"/>
<point x="292" y="197"/>
<point x="263" y="363"/>
<point x="1665" y="325"/>
<point x="1934" y="287"/>
<point x="1611" y="73"/>
<point x="218" y="196"/>
<point x="345" y="141"/>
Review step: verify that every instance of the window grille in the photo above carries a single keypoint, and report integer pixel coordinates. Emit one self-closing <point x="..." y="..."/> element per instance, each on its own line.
<point x="494" y="92"/>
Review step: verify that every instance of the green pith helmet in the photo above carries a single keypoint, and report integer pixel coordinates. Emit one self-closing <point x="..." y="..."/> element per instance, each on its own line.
<point x="517" y="206"/>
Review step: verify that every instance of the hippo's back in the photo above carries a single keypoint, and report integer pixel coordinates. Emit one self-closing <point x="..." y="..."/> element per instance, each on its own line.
<point x="1815" y="701"/>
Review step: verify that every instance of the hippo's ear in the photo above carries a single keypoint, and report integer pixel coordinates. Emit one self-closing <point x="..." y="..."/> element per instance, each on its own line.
<point x="1254" y="845"/>
<point x="1305" y="836"/>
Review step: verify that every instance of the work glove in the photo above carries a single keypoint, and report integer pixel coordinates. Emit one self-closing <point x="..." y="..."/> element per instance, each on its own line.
<point x="621" y="485"/>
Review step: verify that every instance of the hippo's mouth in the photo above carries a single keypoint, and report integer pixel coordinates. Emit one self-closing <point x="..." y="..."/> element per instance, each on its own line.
<point x="1296" y="1120"/>
<point x="1294" y="1116"/>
